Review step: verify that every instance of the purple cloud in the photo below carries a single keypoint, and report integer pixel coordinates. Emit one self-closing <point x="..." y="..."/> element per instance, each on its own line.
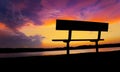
<point x="19" y="40"/>
<point x="15" y="12"/>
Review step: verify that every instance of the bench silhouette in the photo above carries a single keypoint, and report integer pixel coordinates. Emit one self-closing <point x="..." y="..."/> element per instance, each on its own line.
<point x="72" y="25"/>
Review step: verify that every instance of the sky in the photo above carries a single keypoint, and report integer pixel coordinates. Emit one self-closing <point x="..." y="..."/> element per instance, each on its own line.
<point x="31" y="23"/>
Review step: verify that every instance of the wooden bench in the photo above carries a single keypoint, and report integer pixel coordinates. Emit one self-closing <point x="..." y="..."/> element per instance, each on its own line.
<point x="72" y="25"/>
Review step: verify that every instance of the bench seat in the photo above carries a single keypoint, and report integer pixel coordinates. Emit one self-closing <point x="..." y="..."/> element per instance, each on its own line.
<point x="66" y="40"/>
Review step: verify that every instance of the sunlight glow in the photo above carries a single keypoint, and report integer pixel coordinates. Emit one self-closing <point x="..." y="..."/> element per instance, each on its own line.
<point x="48" y="31"/>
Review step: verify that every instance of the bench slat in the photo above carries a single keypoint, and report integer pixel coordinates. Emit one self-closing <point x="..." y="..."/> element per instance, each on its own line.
<point x="81" y="25"/>
<point x="65" y="40"/>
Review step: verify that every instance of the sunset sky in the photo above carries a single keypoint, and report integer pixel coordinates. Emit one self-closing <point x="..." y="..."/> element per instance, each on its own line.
<point x="31" y="23"/>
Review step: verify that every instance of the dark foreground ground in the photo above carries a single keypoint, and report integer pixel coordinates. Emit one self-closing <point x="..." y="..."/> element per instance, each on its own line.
<point x="103" y="58"/>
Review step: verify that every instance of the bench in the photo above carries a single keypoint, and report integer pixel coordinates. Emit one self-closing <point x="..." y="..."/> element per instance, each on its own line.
<point x="72" y="25"/>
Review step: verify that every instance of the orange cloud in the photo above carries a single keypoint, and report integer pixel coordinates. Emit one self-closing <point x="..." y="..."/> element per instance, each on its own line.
<point x="3" y="26"/>
<point x="51" y="21"/>
<point x="4" y="30"/>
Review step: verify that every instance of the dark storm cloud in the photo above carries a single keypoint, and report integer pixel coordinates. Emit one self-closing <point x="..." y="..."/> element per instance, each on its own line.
<point x="19" y="40"/>
<point x="15" y="12"/>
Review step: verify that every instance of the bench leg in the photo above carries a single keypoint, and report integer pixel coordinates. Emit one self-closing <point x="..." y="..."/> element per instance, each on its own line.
<point x="97" y="47"/>
<point x="99" y="35"/>
<point x="68" y="45"/>
<point x="68" y="42"/>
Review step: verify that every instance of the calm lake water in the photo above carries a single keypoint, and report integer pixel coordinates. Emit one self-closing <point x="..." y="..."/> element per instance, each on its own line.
<point x="46" y="53"/>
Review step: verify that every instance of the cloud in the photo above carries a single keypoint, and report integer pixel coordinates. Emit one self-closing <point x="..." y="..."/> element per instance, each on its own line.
<point x="10" y="38"/>
<point x="99" y="10"/>
<point x="14" y="13"/>
<point x="19" y="40"/>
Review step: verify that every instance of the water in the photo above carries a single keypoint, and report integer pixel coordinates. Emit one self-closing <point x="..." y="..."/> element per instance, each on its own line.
<point x="46" y="53"/>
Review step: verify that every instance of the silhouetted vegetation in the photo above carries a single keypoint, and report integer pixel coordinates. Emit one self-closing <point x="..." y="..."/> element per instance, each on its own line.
<point x="15" y="50"/>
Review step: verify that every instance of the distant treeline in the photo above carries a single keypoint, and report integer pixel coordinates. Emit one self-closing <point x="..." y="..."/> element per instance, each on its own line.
<point x="15" y="50"/>
<point x="100" y="46"/>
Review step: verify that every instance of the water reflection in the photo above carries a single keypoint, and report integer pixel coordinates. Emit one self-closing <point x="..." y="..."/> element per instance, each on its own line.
<point x="46" y="53"/>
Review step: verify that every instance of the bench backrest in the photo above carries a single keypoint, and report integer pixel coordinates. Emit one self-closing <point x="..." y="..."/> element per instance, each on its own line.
<point x="81" y="25"/>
